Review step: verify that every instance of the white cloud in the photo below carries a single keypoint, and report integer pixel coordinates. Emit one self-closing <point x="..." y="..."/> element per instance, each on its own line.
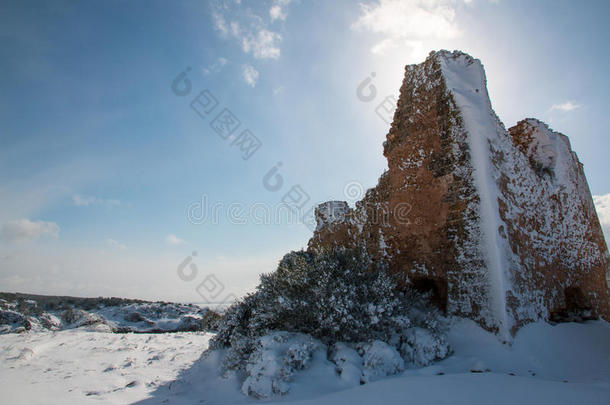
<point x="278" y="11"/>
<point x="115" y="244"/>
<point x="235" y="28"/>
<point x="22" y="230"/>
<point x="251" y="30"/>
<point x="173" y="240"/>
<point x="216" y="66"/>
<point x="250" y="74"/>
<point x="567" y="106"/>
<point x="85" y="201"/>
<point x="278" y="90"/>
<point x="220" y="23"/>
<point x="602" y="205"/>
<point x="408" y="23"/>
<point x="263" y="44"/>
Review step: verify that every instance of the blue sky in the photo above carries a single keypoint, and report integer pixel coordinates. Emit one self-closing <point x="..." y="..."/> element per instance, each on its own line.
<point x="100" y="161"/>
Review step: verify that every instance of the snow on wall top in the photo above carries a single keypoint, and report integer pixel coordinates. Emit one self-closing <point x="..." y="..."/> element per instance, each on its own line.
<point x="330" y="212"/>
<point x="465" y="79"/>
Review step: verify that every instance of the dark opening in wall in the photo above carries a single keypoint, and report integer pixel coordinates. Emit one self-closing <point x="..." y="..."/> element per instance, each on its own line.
<point x="577" y="307"/>
<point x="436" y="289"/>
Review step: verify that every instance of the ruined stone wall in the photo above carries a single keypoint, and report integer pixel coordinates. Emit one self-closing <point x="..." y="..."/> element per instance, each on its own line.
<point x="424" y="217"/>
<point x="553" y="230"/>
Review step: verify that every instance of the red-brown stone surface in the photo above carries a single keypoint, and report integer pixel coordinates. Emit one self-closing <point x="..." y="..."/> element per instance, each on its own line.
<point x="500" y="225"/>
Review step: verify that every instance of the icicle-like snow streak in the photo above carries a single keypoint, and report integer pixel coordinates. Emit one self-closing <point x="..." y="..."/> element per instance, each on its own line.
<point x="465" y="78"/>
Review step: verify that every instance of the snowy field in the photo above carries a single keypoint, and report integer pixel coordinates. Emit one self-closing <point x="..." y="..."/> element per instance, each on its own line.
<point x="80" y="366"/>
<point x="562" y="364"/>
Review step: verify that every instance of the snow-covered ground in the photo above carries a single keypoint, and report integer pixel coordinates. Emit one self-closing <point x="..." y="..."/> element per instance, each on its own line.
<point x="562" y="364"/>
<point x="83" y="365"/>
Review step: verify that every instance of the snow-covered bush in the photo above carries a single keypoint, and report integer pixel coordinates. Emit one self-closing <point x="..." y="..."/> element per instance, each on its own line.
<point x="372" y="328"/>
<point x="364" y="362"/>
<point x="49" y="321"/>
<point x="274" y="359"/>
<point x="78" y="317"/>
<point x="422" y="347"/>
<point x="235" y="323"/>
<point x="210" y="319"/>
<point x="12" y="320"/>
<point x="332" y="296"/>
<point x="348" y="363"/>
<point x="379" y="360"/>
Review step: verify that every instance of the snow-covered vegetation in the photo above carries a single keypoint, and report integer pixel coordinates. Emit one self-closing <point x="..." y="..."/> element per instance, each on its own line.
<point x="20" y="313"/>
<point x="329" y="305"/>
<point x="565" y="363"/>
